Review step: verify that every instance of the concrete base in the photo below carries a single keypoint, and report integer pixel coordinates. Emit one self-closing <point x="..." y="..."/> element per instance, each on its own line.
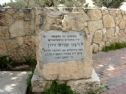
<point x="79" y="86"/>
<point x="13" y="82"/>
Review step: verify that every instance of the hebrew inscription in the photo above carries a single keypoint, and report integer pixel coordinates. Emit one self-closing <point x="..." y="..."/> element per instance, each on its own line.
<point x="62" y="46"/>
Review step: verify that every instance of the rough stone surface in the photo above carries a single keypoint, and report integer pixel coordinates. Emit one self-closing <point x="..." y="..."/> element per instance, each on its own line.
<point x="79" y="86"/>
<point x="13" y="82"/>
<point x="95" y="25"/>
<point x="95" y="14"/>
<point x="38" y="83"/>
<point x="74" y="22"/>
<point x="65" y="70"/>
<point x="3" y="50"/>
<point x="98" y="37"/>
<point x="108" y="21"/>
<point x="17" y="29"/>
<point x="4" y="32"/>
<point x="122" y="24"/>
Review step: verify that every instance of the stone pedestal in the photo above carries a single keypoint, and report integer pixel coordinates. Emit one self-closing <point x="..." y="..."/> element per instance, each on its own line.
<point x="79" y="86"/>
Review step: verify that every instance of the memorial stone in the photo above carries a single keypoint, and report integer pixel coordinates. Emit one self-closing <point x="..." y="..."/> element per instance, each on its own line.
<point x="63" y="55"/>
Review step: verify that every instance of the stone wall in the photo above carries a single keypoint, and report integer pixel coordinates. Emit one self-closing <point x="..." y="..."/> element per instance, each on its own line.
<point x="104" y="26"/>
<point x="18" y="28"/>
<point x="17" y="34"/>
<point x="107" y="26"/>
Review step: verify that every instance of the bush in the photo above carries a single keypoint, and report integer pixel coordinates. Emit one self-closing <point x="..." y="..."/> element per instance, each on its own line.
<point x="57" y="88"/>
<point x="5" y="62"/>
<point x="108" y="3"/>
<point x="114" y="46"/>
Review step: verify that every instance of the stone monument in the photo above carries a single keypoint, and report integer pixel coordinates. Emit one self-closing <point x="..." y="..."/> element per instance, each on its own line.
<point x="63" y="55"/>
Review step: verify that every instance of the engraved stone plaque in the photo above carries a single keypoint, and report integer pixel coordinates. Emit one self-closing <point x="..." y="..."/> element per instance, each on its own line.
<point x="62" y="46"/>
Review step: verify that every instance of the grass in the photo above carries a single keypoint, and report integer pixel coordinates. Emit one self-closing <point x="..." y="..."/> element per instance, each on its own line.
<point x="57" y="88"/>
<point x="114" y="46"/>
<point x="29" y="85"/>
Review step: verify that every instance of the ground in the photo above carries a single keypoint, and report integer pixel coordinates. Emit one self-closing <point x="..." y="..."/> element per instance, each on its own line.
<point x="111" y="68"/>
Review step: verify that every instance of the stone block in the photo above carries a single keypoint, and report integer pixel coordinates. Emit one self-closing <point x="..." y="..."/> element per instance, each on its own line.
<point x="3" y="49"/>
<point x="29" y="28"/>
<point x="74" y="69"/>
<point x="94" y="25"/>
<point x="17" y="29"/>
<point x="4" y="34"/>
<point x="94" y="14"/>
<point x="108" y="21"/>
<point x="122" y="24"/>
<point x="11" y="44"/>
<point x="110" y="33"/>
<point x="79" y="86"/>
<point x="98" y="36"/>
<point x="74" y="22"/>
<point x="53" y="22"/>
<point x="95" y="48"/>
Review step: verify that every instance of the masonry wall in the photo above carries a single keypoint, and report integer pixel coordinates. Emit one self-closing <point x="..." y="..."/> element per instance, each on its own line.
<point x="18" y="28"/>
<point x="17" y="34"/>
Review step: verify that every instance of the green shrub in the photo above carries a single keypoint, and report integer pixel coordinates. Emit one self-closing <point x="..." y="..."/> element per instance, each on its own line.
<point x="114" y="46"/>
<point x="108" y="3"/>
<point x="29" y="85"/>
<point x="57" y="88"/>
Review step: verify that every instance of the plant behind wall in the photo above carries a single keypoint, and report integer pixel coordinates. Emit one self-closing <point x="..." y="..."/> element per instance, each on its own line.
<point x="108" y="3"/>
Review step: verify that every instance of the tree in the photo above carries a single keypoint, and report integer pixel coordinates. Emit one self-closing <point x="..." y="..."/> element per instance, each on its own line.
<point x="108" y="3"/>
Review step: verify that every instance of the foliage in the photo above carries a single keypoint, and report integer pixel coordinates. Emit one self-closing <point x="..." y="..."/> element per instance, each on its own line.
<point x="44" y="3"/>
<point x="19" y="4"/>
<point x="31" y="62"/>
<point x="108" y="3"/>
<point x="57" y="88"/>
<point x="114" y="46"/>
<point x="29" y="81"/>
<point x="5" y="62"/>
